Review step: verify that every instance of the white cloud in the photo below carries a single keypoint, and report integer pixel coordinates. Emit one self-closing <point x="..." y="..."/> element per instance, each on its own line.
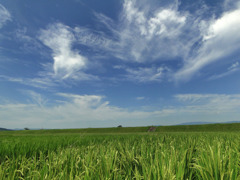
<point x="146" y="33"/>
<point x="166" y="22"/>
<point x="73" y="112"/>
<point x="162" y="22"/>
<point x="221" y="39"/>
<point x="84" y="101"/>
<point x="60" y="39"/>
<point x="4" y="15"/>
<point x="78" y="111"/>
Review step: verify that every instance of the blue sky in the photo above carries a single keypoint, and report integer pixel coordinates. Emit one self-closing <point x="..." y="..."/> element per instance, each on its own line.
<point x="88" y="63"/>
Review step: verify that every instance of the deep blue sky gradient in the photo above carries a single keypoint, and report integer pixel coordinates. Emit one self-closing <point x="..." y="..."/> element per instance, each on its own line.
<point x="133" y="74"/>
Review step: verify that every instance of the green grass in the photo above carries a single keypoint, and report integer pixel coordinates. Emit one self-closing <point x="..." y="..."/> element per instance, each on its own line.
<point x="118" y="153"/>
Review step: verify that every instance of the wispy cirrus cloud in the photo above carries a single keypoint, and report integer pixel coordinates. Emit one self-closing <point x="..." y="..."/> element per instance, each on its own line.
<point x="4" y="15"/>
<point x="35" y="97"/>
<point x="145" y="74"/>
<point x="145" y="33"/>
<point x="210" y="103"/>
<point x="38" y="82"/>
<point x="230" y="70"/>
<point x="221" y="39"/>
<point x="142" y="34"/>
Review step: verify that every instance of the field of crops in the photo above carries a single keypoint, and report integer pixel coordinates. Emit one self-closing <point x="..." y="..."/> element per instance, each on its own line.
<point x="168" y="155"/>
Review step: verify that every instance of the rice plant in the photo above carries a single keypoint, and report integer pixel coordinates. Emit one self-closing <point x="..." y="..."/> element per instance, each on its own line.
<point x="121" y="156"/>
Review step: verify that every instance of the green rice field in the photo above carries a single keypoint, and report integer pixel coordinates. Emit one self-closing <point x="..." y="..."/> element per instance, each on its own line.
<point x="180" y="152"/>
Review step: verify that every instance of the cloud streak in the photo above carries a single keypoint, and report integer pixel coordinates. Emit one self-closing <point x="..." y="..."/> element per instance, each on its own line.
<point x="4" y="15"/>
<point x="210" y="103"/>
<point x="40" y="82"/>
<point x="230" y="70"/>
<point x="144" y="75"/>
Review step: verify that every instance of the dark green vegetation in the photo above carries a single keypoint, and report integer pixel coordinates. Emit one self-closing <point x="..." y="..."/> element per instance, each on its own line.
<point x="122" y="153"/>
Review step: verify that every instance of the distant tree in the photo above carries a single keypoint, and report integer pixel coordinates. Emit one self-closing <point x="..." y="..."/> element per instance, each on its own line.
<point x="120" y="126"/>
<point x="26" y="128"/>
